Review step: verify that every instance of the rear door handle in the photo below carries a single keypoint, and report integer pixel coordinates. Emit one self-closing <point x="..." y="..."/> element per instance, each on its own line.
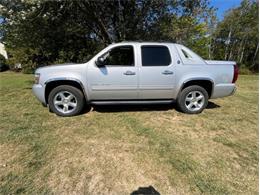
<point x="167" y="72"/>
<point x="129" y="73"/>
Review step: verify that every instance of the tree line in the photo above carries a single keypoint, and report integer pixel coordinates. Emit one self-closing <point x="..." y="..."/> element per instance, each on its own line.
<point x="40" y="32"/>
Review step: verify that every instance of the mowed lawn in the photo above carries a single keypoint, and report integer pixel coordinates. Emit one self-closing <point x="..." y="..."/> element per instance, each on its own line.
<point x="117" y="149"/>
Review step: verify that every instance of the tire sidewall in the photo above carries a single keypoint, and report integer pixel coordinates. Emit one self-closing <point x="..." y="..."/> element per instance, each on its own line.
<point x="184" y="93"/>
<point x="75" y="91"/>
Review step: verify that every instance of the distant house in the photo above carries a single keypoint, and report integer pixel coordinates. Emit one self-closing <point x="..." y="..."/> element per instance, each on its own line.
<point x="3" y="51"/>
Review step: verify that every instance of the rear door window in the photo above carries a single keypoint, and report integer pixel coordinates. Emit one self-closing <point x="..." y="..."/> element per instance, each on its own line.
<point x="155" y="55"/>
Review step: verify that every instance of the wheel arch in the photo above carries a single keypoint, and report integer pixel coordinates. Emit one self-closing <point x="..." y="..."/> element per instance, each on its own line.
<point x="206" y="83"/>
<point x="52" y="83"/>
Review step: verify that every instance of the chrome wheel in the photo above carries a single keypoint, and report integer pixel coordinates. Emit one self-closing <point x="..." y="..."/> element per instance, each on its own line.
<point x="194" y="100"/>
<point x="65" y="102"/>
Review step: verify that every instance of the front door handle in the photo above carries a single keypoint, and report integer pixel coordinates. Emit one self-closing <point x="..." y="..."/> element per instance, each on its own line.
<point x="129" y="73"/>
<point x="167" y="72"/>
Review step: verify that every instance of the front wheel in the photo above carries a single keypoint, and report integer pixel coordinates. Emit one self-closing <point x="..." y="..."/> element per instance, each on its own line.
<point x="66" y="100"/>
<point x="193" y="99"/>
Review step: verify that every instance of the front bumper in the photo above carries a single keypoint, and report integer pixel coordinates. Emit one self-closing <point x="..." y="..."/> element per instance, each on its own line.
<point x="38" y="91"/>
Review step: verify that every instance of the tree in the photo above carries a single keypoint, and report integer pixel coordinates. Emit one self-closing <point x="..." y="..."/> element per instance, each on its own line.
<point x="45" y="32"/>
<point x="236" y="37"/>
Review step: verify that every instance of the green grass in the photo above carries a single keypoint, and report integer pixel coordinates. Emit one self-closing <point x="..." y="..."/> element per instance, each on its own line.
<point x="117" y="149"/>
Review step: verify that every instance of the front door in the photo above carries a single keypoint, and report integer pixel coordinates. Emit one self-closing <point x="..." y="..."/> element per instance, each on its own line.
<point x="116" y="78"/>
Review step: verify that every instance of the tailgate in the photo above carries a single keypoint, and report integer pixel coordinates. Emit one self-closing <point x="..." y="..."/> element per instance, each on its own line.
<point x="216" y="62"/>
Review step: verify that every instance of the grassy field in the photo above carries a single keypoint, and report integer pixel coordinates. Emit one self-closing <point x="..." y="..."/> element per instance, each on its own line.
<point x="117" y="149"/>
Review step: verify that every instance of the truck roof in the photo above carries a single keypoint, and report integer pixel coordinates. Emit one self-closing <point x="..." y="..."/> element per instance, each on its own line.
<point x="148" y="42"/>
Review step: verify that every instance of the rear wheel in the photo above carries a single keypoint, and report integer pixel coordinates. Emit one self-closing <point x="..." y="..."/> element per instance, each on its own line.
<point x="66" y="100"/>
<point x="193" y="99"/>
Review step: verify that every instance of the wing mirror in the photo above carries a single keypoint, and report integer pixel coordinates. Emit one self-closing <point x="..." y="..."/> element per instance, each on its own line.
<point x="100" y="61"/>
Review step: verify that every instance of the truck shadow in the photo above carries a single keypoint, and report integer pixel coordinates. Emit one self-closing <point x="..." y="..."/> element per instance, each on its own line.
<point x="212" y="105"/>
<point x="145" y="191"/>
<point x="141" y="107"/>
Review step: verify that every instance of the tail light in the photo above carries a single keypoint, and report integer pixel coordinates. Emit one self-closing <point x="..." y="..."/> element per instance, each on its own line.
<point x="235" y="76"/>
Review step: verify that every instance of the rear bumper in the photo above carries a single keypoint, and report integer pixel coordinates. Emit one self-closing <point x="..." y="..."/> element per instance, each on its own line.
<point x="223" y="90"/>
<point x="38" y="91"/>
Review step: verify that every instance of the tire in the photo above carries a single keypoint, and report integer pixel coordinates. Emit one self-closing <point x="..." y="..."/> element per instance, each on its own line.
<point x="192" y="99"/>
<point x="66" y="100"/>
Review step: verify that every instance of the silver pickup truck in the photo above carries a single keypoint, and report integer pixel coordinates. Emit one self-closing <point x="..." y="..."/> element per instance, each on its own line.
<point x="136" y="73"/>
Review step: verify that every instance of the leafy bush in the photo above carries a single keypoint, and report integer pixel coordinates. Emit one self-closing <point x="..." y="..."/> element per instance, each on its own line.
<point x="245" y="70"/>
<point x="2" y="59"/>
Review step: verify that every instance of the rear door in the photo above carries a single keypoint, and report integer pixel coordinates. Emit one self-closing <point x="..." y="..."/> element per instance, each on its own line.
<point x="157" y="79"/>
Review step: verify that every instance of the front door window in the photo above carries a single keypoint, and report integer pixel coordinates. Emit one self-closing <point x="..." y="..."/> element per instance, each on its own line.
<point x="119" y="56"/>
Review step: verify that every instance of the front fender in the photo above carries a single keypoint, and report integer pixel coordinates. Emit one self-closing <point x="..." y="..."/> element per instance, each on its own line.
<point x="67" y="79"/>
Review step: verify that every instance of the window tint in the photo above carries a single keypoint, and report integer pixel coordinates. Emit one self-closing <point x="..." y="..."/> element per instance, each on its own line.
<point x="121" y="56"/>
<point x="155" y="56"/>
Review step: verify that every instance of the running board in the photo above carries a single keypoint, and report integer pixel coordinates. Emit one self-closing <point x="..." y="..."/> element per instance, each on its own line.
<point x="131" y="102"/>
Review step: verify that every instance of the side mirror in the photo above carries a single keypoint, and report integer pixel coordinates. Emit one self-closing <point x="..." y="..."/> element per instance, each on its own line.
<point x="100" y="61"/>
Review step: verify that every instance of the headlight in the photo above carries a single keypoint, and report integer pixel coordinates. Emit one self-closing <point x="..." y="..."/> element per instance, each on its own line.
<point x="36" y="78"/>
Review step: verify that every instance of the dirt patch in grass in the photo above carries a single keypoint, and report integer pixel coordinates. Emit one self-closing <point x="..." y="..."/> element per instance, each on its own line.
<point x="8" y="157"/>
<point x="104" y="167"/>
<point x="11" y="168"/>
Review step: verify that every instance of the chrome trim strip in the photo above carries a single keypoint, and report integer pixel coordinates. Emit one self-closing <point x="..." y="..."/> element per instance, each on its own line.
<point x="111" y="102"/>
<point x="123" y="88"/>
<point x="112" y="88"/>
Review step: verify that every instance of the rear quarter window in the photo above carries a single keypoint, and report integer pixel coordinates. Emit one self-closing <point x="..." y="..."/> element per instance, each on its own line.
<point x="155" y="55"/>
